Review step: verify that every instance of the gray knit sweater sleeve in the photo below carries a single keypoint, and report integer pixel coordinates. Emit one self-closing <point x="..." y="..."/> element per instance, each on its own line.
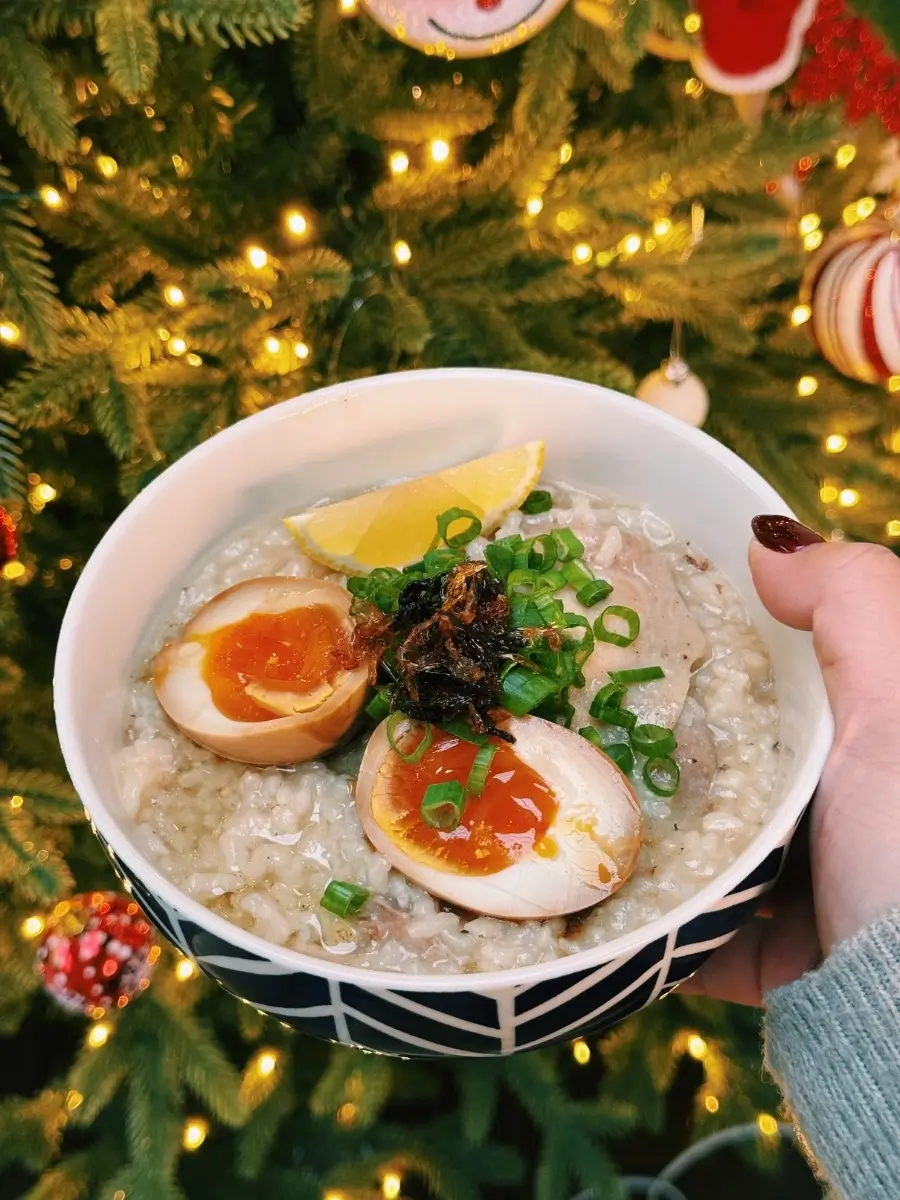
<point x="833" y="1045"/>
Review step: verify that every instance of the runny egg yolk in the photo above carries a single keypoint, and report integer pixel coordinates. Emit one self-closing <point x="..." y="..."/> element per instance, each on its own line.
<point x="508" y="820"/>
<point x="297" y="651"/>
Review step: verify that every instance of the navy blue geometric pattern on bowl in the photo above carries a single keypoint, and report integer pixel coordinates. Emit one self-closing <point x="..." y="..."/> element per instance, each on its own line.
<point x="472" y="1023"/>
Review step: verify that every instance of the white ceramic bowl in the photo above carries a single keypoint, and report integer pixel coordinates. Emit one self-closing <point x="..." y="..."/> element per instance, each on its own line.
<point x="340" y="441"/>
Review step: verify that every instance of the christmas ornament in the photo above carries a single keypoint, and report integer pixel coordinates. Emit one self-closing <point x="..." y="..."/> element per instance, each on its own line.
<point x="675" y="389"/>
<point x="744" y="50"/>
<point x="96" y="952"/>
<point x="463" y="28"/>
<point x="9" y="538"/>
<point x="852" y="285"/>
<point x="849" y="62"/>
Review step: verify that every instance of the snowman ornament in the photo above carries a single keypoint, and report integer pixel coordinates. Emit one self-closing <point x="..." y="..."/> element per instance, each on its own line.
<point x="463" y="28"/>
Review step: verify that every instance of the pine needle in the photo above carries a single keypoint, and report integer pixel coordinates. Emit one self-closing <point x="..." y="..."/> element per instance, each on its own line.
<point x="126" y="39"/>
<point x="31" y="96"/>
<point x="27" y="292"/>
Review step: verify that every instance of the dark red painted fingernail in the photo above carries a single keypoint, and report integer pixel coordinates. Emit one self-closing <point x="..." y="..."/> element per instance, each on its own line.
<point x="783" y="534"/>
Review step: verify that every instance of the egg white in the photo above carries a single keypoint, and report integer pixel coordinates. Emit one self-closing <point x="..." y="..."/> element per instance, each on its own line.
<point x="597" y="829"/>
<point x="304" y="734"/>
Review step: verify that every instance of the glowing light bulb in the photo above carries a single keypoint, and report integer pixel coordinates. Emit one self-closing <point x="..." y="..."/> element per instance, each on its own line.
<point x="257" y="257"/>
<point x="768" y="1126"/>
<point x="662" y="226"/>
<point x="848" y="497"/>
<point x="17" y="802"/>
<point x="273" y="345"/>
<point x="44" y="493"/>
<point x="108" y="167"/>
<point x="301" y="350"/>
<point x="711" y="1104"/>
<point x="296" y="223"/>
<point x="813" y="240"/>
<point x="809" y="222"/>
<point x="582" y="253"/>
<point x="835" y="443"/>
<point x="828" y="493"/>
<point x="844" y="156"/>
<point x="697" y="1047"/>
<point x="73" y="1100"/>
<point x="50" y="196"/>
<point x="193" y="1135"/>
<point x="630" y="244"/>
<point x="865" y="207"/>
<point x="565" y="153"/>
<point x="32" y="927"/>
<point x="194" y="360"/>
<point x="800" y="314"/>
<point x="9" y="332"/>
<point x="693" y="23"/>
<point x="347" y="8"/>
<point x="440" y="150"/>
<point x="402" y="252"/>
<point x="98" y="1035"/>
<point x="807" y="385"/>
<point x="892" y="529"/>
<point x="173" y="295"/>
<point x="177" y="346"/>
<point x="391" y="1185"/>
<point x="266" y="1063"/>
<point x="13" y="570"/>
<point x="185" y="970"/>
<point x="346" y="1115"/>
<point x="894" y="383"/>
<point x="331" y="1194"/>
<point x="581" y="1052"/>
<point x="398" y="162"/>
<point x="694" y="88"/>
<point x="533" y="205"/>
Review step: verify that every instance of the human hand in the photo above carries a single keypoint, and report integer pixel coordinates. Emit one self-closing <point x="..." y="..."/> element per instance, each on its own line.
<point x="849" y="596"/>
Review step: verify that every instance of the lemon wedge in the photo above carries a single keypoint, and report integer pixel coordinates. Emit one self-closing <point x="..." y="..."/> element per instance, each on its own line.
<point x="395" y="525"/>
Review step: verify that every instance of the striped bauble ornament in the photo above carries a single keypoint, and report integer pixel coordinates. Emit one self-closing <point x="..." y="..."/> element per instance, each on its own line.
<point x="852" y="285"/>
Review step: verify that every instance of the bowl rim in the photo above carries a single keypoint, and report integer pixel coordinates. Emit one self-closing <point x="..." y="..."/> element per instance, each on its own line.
<point x="774" y="834"/>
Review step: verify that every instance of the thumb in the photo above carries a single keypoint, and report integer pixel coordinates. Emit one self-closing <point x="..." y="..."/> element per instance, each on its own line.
<point x="849" y="596"/>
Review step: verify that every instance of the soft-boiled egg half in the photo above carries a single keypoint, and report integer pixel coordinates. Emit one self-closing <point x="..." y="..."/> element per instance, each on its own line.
<point x="556" y="829"/>
<point x="265" y="673"/>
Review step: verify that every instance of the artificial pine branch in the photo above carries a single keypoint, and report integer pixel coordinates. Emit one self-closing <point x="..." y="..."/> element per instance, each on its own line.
<point x="32" y="97"/>
<point x="240" y="21"/>
<point x="27" y="291"/>
<point x="126" y="38"/>
<point x="12" y="469"/>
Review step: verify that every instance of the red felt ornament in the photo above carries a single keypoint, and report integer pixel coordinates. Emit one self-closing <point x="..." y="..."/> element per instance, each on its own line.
<point x="745" y="50"/>
<point x="97" y="951"/>
<point x="9" y="538"/>
<point x="848" y="61"/>
<point x="852" y="285"/>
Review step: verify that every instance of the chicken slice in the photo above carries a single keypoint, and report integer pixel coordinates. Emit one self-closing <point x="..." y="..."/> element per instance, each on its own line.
<point x="669" y="636"/>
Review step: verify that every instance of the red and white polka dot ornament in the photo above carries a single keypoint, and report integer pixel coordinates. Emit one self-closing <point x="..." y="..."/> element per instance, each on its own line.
<point x="463" y="28"/>
<point x="852" y="285"/>
<point x="98" y="951"/>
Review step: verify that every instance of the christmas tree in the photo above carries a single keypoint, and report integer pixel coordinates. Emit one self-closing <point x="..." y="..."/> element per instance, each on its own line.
<point x="207" y="208"/>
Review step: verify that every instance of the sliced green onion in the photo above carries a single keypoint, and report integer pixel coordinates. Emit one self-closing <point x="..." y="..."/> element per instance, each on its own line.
<point x="585" y="646"/>
<point x="557" y="710"/>
<point x="442" y="804"/>
<point x="615" y="716"/>
<point x="466" y="535"/>
<point x="391" y="728"/>
<point x="522" y="690"/>
<point x="551" y="610"/>
<point x="576" y="573"/>
<point x="567" y="545"/>
<point x="628" y="615"/>
<point x="638" y="675"/>
<point x="524" y="614"/>
<point x="653" y="740"/>
<point x="592" y="593"/>
<point x="513" y="540"/>
<point x="610" y="695"/>
<point x="622" y="755"/>
<point x="379" y="706"/>
<point x="543" y="552"/>
<point x="551" y="581"/>
<point x="522" y="556"/>
<point x="357" y="585"/>
<point x="465" y="733"/>
<point x="343" y="899"/>
<point x="662" y="776"/>
<point x="439" y="560"/>
<point x="499" y="558"/>
<point x="590" y="734"/>
<point x="522" y="582"/>
<point x="480" y="767"/>
<point x="537" y="502"/>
